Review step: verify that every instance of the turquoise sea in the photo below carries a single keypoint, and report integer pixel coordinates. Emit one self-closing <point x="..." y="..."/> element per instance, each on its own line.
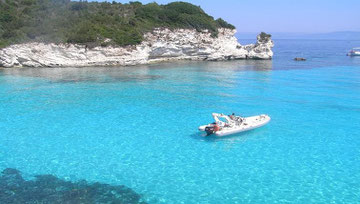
<point x="137" y="126"/>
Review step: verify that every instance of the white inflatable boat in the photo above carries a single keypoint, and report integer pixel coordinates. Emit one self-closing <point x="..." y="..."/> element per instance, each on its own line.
<point x="233" y="124"/>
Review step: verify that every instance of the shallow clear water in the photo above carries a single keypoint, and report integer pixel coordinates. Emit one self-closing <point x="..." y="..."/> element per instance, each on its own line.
<point x="137" y="126"/>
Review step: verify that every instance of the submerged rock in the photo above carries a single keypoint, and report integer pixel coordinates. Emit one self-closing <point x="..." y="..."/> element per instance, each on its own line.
<point x="160" y="45"/>
<point x="50" y="189"/>
<point x="299" y="59"/>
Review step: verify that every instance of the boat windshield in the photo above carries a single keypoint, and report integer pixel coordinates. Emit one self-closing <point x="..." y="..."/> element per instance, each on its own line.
<point x="357" y="49"/>
<point x="221" y="118"/>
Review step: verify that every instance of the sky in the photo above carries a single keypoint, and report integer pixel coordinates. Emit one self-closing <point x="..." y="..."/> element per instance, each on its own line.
<point x="290" y="16"/>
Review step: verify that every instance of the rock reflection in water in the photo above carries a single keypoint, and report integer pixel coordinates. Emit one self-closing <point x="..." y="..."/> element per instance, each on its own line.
<point x="86" y="74"/>
<point x="133" y="73"/>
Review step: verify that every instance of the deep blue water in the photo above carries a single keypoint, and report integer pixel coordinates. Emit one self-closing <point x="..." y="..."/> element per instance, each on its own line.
<point x="137" y="126"/>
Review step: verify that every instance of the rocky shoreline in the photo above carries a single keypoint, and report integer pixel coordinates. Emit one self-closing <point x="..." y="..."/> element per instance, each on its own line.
<point x="158" y="46"/>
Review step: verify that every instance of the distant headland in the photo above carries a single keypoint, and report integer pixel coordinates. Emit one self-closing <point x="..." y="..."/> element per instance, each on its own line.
<point x="48" y="33"/>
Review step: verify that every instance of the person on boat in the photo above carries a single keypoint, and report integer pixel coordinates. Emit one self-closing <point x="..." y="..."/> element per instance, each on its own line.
<point x="232" y="117"/>
<point x="216" y="127"/>
<point x="238" y="120"/>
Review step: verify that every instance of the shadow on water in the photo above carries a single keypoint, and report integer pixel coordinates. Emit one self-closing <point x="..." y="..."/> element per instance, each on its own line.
<point x="242" y="137"/>
<point x="50" y="189"/>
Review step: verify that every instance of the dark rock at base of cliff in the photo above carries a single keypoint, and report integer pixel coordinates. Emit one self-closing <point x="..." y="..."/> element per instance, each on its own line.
<point x="50" y="189"/>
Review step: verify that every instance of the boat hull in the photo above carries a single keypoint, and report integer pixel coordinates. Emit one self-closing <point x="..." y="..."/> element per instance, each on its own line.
<point x="354" y="54"/>
<point x="250" y="123"/>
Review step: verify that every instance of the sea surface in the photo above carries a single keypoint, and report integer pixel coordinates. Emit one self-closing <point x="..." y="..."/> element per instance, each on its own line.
<point x="137" y="126"/>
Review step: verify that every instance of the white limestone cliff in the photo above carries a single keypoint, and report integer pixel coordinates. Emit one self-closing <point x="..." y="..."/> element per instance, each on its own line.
<point x="159" y="45"/>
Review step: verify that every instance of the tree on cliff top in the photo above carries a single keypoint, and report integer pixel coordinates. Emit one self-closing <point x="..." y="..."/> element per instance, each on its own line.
<point x="62" y="21"/>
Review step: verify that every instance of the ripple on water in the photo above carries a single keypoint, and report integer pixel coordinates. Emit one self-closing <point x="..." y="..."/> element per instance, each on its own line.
<point x="138" y="127"/>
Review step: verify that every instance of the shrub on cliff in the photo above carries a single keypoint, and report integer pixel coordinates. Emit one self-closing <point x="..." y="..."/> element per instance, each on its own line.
<point x="223" y="24"/>
<point x="84" y="22"/>
<point x="264" y="37"/>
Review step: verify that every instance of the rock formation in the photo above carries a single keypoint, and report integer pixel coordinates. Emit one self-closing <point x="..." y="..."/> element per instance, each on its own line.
<point x="159" y="45"/>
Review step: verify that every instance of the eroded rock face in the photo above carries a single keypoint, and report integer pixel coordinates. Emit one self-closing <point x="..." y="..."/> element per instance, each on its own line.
<point x="262" y="48"/>
<point x="159" y="45"/>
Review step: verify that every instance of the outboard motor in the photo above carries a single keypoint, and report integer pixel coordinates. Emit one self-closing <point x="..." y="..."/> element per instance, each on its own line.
<point x="211" y="129"/>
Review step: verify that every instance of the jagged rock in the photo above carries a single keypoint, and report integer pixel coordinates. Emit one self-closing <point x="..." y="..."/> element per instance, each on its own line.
<point x="159" y="45"/>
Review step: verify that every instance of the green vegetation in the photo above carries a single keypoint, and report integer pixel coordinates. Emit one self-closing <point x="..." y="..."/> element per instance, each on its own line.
<point x="90" y="23"/>
<point x="264" y="36"/>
